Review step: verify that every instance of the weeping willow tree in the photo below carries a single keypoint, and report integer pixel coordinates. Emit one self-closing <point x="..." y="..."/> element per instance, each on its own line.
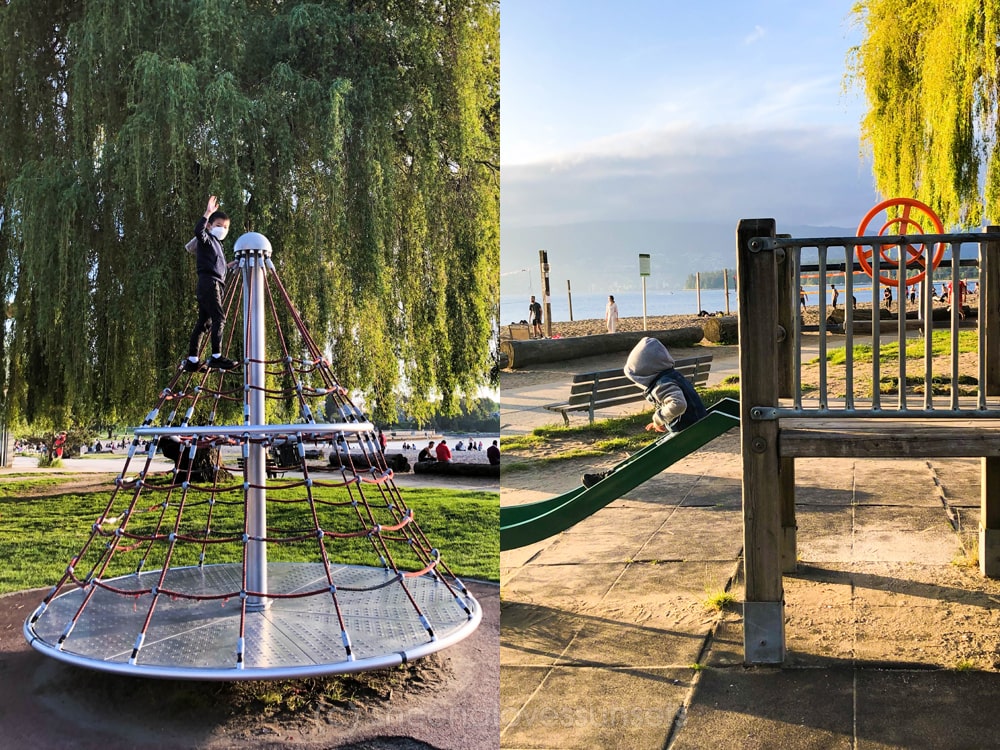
<point x="361" y="137"/>
<point x="929" y="71"/>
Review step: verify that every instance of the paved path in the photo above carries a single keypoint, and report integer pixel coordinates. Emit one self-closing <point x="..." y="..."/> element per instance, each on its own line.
<point x="112" y="464"/>
<point x="893" y="642"/>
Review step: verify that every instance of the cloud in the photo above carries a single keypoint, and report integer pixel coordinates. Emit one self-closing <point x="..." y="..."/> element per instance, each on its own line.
<point x="801" y="175"/>
<point x="756" y="35"/>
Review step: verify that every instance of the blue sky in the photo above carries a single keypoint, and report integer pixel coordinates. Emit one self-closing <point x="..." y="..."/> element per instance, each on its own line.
<point x="678" y="110"/>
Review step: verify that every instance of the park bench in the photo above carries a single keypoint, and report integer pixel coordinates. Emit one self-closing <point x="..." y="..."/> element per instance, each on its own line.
<point x="607" y="388"/>
<point x="272" y="468"/>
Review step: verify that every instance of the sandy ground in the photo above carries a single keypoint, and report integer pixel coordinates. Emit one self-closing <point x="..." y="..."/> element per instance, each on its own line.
<point x="596" y="326"/>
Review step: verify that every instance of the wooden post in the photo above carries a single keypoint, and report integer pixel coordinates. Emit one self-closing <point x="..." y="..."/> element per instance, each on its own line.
<point x="569" y="296"/>
<point x="543" y="263"/>
<point x="697" y="290"/>
<point x="725" y="285"/>
<point x="757" y="294"/>
<point x="989" y="485"/>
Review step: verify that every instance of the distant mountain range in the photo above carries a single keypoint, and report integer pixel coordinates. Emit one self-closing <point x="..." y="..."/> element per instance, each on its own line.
<point x="603" y="256"/>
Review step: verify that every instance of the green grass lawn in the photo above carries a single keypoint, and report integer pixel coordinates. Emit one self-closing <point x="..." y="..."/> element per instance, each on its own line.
<point x="39" y="534"/>
<point x="968" y="341"/>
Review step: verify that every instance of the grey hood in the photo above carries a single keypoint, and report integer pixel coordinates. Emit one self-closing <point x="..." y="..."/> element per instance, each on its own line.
<point x="646" y="361"/>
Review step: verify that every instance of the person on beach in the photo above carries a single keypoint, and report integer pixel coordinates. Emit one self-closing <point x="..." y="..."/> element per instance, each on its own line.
<point x="493" y="454"/>
<point x="836" y="295"/>
<point x="803" y="298"/>
<point x="887" y="298"/>
<point x="535" y="318"/>
<point x="443" y="452"/>
<point x="611" y="314"/>
<point x="678" y="405"/>
<point x="427" y="454"/>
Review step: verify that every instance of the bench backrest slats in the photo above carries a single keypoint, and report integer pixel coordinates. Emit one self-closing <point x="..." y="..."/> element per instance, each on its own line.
<point x="687" y="366"/>
<point x="598" y="390"/>
<point x="629" y="390"/>
<point x="594" y="385"/>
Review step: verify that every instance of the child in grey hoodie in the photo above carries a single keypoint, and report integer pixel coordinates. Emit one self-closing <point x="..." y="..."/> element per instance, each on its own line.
<point x="650" y="366"/>
<point x="678" y="405"/>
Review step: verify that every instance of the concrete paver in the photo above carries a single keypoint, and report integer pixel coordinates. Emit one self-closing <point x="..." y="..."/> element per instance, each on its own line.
<point x="922" y="709"/>
<point x="630" y="709"/>
<point x="763" y="709"/>
<point x="606" y="641"/>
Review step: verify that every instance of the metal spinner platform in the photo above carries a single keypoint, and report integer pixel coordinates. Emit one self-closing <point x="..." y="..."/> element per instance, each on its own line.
<point x="290" y="639"/>
<point x="253" y="619"/>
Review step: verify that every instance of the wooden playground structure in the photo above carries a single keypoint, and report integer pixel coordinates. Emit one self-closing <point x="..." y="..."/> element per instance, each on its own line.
<point x="781" y="419"/>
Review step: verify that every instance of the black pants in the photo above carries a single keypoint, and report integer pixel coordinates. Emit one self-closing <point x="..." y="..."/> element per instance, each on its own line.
<point x="210" y="315"/>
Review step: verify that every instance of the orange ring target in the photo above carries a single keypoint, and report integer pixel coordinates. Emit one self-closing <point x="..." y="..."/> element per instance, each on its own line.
<point x="906" y="223"/>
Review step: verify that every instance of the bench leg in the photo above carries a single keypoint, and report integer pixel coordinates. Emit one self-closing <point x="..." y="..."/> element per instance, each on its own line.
<point x="565" y="417"/>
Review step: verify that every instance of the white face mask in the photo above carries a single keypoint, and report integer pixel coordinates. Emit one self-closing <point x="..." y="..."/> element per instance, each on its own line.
<point x="219" y="232"/>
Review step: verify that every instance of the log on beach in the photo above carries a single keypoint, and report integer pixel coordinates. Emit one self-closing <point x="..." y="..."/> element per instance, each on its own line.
<point x="525" y="353"/>
<point x="722" y="329"/>
<point x="395" y="461"/>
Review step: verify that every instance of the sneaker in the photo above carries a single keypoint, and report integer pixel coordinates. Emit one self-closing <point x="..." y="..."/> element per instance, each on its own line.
<point x="589" y="480"/>
<point x="220" y="363"/>
<point x="190" y="366"/>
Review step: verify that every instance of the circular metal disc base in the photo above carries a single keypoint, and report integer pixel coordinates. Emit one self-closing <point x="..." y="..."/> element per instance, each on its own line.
<point x="289" y="639"/>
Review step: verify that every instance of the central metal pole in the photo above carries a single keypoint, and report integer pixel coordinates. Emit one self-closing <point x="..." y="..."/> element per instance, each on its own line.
<point x="252" y="249"/>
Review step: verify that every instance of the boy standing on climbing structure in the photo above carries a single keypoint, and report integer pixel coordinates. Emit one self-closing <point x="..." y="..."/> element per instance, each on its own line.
<point x="678" y="405"/>
<point x="209" y="233"/>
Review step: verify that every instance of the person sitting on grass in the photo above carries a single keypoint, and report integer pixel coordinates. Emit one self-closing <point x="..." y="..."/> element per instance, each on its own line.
<point x="678" y="405"/>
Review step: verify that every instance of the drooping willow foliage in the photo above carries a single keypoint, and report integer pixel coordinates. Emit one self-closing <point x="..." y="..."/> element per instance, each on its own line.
<point x="361" y="137"/>
<point x="929" y="71"/>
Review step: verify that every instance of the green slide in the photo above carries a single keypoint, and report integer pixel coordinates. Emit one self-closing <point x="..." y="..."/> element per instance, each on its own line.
<point x="528" y="523"/>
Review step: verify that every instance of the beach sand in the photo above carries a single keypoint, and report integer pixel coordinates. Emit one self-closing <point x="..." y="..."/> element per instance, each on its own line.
<point x="596" y="326"/>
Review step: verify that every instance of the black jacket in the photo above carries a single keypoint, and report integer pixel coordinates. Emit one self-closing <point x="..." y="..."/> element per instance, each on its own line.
<point x="211" y="258"/>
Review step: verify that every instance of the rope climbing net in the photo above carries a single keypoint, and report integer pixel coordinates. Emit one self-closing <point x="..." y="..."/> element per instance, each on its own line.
<point x="211" y="571"/>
